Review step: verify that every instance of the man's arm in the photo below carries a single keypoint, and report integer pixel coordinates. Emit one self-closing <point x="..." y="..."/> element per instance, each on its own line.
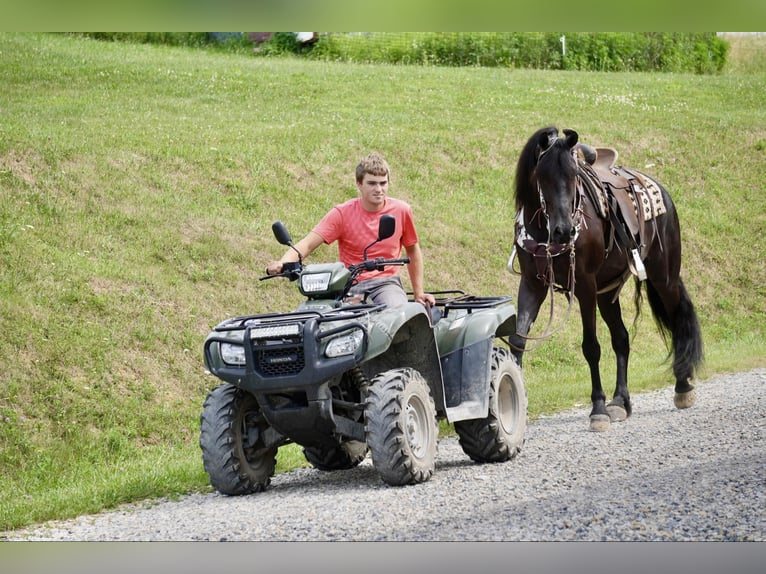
<point x="415" y="270"/>
<point x="305" y="246"/>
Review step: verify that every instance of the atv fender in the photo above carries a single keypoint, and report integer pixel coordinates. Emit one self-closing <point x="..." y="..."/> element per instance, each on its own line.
<point x="403" y="337"/>
<point x="465" y="344"/>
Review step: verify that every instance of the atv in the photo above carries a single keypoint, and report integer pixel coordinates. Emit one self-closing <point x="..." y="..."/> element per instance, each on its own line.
<point x="341" y="377"/>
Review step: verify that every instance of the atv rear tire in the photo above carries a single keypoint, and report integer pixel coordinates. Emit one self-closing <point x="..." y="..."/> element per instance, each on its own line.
<point x="231" y="438"/>
<point x="342" y="457"/>
<point x="401" y="427"/>
<point x="500" y="436"/>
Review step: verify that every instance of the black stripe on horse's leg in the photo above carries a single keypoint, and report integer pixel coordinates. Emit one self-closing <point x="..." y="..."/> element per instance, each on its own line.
<point x="619" y="408"/>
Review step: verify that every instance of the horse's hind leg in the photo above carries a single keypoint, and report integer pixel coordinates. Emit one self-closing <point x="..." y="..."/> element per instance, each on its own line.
<point x="672" y="308"/>
<point x="687" y="348"/>
<point x="619" y="408"/>
<point x="674" y="311"/>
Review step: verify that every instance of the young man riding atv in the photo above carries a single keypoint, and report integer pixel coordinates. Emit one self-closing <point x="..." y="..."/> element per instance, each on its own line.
<point x="358" y="367"/>
<point x="354" y="225"/>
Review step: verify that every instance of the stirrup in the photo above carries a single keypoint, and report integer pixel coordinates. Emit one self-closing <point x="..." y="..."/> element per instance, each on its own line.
<point x="510" y="261"/>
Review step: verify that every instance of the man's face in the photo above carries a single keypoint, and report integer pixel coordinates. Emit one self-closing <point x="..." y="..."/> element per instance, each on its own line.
<point x="373" y="190"/>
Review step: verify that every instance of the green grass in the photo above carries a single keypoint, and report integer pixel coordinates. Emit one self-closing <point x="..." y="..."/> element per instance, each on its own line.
<point x="138" y="185"/>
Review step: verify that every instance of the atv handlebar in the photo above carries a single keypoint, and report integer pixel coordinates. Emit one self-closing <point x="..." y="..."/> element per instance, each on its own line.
<point x="376" y="264"/>
<point x="290" y="269"/>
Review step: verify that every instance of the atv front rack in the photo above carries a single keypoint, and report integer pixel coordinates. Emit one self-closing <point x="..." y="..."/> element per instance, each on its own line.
<point x="278" y="345"/>
<point x="351" y="312"/>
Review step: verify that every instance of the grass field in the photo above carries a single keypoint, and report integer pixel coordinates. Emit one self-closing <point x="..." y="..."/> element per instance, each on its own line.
<point x="138" y="185"/>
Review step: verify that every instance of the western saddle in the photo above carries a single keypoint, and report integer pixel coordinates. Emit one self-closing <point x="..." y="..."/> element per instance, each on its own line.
<point x="630" y="200"/>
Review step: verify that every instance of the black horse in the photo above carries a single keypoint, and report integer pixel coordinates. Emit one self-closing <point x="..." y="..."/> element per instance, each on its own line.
<point x="571" y="235"/>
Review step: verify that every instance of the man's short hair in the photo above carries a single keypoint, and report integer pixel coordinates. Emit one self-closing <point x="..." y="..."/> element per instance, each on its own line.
<point x="374" y="164"/>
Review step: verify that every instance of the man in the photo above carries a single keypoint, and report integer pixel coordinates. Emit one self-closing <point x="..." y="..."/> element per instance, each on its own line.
<point x="354" y="225"/>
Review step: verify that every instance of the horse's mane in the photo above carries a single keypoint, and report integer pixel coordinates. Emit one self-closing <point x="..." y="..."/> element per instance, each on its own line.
<point x="526" y="165"/>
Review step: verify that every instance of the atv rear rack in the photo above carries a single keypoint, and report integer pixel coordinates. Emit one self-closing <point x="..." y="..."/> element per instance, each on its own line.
<point x="459" y="300"/>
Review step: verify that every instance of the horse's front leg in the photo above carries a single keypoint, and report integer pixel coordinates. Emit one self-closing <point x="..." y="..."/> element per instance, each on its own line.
<point x="619" y="408"/>
<point x="532" y="294"/>
<point x="591" y="350"/>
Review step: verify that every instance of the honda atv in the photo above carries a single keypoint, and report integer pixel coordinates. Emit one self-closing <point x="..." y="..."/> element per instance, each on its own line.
<point x="342" y="378"/>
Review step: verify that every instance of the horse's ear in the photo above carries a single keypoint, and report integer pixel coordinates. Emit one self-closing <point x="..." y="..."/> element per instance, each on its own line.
<point x="547" y="137"/>
<point x="571" y="138"/>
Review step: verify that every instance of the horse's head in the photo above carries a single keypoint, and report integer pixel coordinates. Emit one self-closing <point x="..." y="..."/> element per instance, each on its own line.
<point x="546" y="178"/>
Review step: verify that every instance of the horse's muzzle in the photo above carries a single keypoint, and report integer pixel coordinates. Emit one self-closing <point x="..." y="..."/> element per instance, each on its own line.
<point x="563" y="233"/>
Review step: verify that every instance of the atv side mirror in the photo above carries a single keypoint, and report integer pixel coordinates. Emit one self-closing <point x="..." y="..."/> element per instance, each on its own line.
<point x="386" y="227"/>
<point x="283" y="236"/>
<point x="281" y="233"/>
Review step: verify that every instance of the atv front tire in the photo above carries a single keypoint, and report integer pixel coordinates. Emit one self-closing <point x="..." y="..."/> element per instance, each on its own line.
<point x="232" y="441"/>
<point x="342" y="457"/>
<point x="500" y="436"/>
<point x="401" y="427"/>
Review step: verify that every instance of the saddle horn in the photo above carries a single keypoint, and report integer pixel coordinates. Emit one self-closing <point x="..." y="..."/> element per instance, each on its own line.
<point x="589" y="153"/>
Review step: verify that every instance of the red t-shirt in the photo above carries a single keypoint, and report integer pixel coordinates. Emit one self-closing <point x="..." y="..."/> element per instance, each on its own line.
<point x="354" y="228"/>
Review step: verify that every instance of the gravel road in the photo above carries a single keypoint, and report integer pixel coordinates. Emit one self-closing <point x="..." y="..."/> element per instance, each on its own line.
<point x="665" y="474"/>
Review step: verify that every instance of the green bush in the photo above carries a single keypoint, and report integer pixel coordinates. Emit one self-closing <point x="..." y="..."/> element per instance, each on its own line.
<point x="282" y="43"/>
<point x="701" y="53"/>
<point x="189" y="39"/>
<point x="218" y="41"/>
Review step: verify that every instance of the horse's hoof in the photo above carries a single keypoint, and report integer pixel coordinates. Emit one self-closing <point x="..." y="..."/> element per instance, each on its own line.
<point x="685" y="400"/>
<point x="617" y="414"/>
<point x="599" y="423"/>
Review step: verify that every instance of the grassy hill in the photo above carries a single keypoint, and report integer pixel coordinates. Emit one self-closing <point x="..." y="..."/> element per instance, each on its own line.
<point x="138" y="184"/>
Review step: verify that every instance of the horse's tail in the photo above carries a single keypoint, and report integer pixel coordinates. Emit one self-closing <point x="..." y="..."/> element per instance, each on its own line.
<point x="683" y="327"/>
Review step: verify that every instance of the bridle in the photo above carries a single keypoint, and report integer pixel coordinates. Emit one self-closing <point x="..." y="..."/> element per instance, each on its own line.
<point x="543" y="253"/>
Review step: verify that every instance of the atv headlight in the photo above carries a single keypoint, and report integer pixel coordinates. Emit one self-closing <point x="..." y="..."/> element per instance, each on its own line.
<point x="315" y="282"/>
<point x="233" y="354"/>
<point x="346" y="344"/>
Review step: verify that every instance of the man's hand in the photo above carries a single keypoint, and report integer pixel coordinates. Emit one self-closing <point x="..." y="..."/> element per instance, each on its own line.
<point x="274" y="268"/>
<point x="426" y="299"/>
